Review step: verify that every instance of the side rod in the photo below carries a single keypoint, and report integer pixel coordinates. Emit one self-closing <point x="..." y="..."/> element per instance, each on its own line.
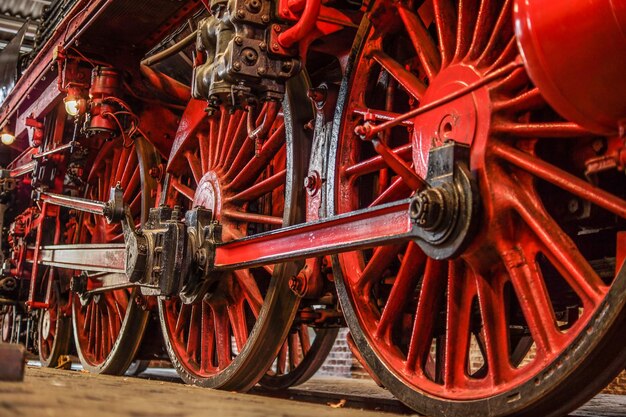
<point x="382" y="225"/>
<point x="386" y="224"/>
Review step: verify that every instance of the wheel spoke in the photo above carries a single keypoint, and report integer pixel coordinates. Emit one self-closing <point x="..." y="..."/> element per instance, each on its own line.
<point x="445" y="19"/>
<point x="182" y="320"/>
<point x="256" y="165"/>
<point x="467" y="11"/>
<point x="221" y="139"/>
<point x="561" y="179"/>
<point x="222" y="335"/>
<point x="382" y="257"/>
<point x="495" y="329"/>
<point x="579" y="274"/>
<point x="533" y="297"/>
<point x="261" y="188"/>
<point x="237" y="315"/>
<point x="422" y="42"/>
<point x="193" y="335"/>
<point x="524" y="102"/>
<point x="376" y="163"/>
<point x="281" y="360"/>
<point x="380" y="115"/>
<point x="239" y="141"/>
<point x="182" y="189"/>
<point x="130" y="190"/>
<point x="195" y="165"/>
<point x="397" y="190"/>
<point x="483" y="27"/>
<point x="428" y="306"/>
<point x="402" y="291"/>
<point x="251" y="289"/>
<point x="294" y="355"/>
<point x="461" y="292"/>
<point x="405" y="78"/>
<point x="305" y="340"/>
<point x="207" y="338"/>
<point x="502" y="30"/>
<point x="129" y="169"/>
<point x="252" y="217"/>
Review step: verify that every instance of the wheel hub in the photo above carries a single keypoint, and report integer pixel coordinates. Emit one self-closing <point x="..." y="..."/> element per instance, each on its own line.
<point x="446" y="212"/>
<point x="45" y="327"/>
<point x="460" y="120"/>
<point x="209" y="194"/>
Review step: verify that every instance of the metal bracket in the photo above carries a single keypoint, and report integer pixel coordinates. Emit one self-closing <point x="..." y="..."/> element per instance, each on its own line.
<point x="204" y="234"/>
<point x="445" y="213"/>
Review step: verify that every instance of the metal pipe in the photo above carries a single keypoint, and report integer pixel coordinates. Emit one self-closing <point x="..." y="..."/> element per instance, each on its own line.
<point x="172" y="50"/>
<point x="76" y="203"/>
<point x="303" y="27"/>
<point x="167" y="85"/>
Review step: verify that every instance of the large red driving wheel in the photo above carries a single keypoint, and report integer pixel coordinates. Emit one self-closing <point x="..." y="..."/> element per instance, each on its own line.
<point x="302" y="354"/>
<point x="55" y="326"/>
<point x="535" y="294"/>
<point x="6" y="323"/>
<point x="228" y="337"/>
<point x="108" y="327"/>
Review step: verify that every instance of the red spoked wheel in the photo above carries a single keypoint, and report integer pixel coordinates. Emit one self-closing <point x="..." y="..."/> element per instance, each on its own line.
<point x="6" y="323"/>
<point x="229" y="336"/>
<point x="528" y="318"/>
<point x="108" y="327"/>
<point x="302" y="354"/>
<point x="55" y="326"/>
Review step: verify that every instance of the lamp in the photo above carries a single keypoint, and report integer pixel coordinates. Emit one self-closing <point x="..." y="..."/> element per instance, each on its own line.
<point x="7" y="138"/>
<point x="75" y="104"/>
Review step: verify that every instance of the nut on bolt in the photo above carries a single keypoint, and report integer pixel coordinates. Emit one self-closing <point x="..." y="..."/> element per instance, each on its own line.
<point x="313" y="182"/>
<point x="318" y="95"/>
<point x="297" y="284"/>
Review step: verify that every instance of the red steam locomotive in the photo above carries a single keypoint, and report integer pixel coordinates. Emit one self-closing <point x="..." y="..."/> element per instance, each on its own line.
<point x="228" y="182"/>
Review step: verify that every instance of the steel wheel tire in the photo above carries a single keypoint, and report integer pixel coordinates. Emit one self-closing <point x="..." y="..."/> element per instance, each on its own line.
<point x="54" y="329"/>
<point x="6" y="324"/>
<point x="578" y="358"/>
<point x="260" y="338"/>
<point x="112" y="352"/>
<point x="298" y="359"/>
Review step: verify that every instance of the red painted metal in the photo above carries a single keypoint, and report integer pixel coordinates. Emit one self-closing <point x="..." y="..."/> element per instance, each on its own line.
<point x="468" y="87"/>
<point x="303" y="26"/>
<point x="575" y="52"/>
<point x="355" y="231"/>
<point x="409" y="91"/>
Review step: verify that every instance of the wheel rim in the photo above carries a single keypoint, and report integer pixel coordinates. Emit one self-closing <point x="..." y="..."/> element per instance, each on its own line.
<point x="7" y="325"/>
<point x="230" y="337"/>
<point x="108" y="327"/>
<point x="302" y="354"/>
<point x="525" y="270"/>
<point x="54" y="327"/>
